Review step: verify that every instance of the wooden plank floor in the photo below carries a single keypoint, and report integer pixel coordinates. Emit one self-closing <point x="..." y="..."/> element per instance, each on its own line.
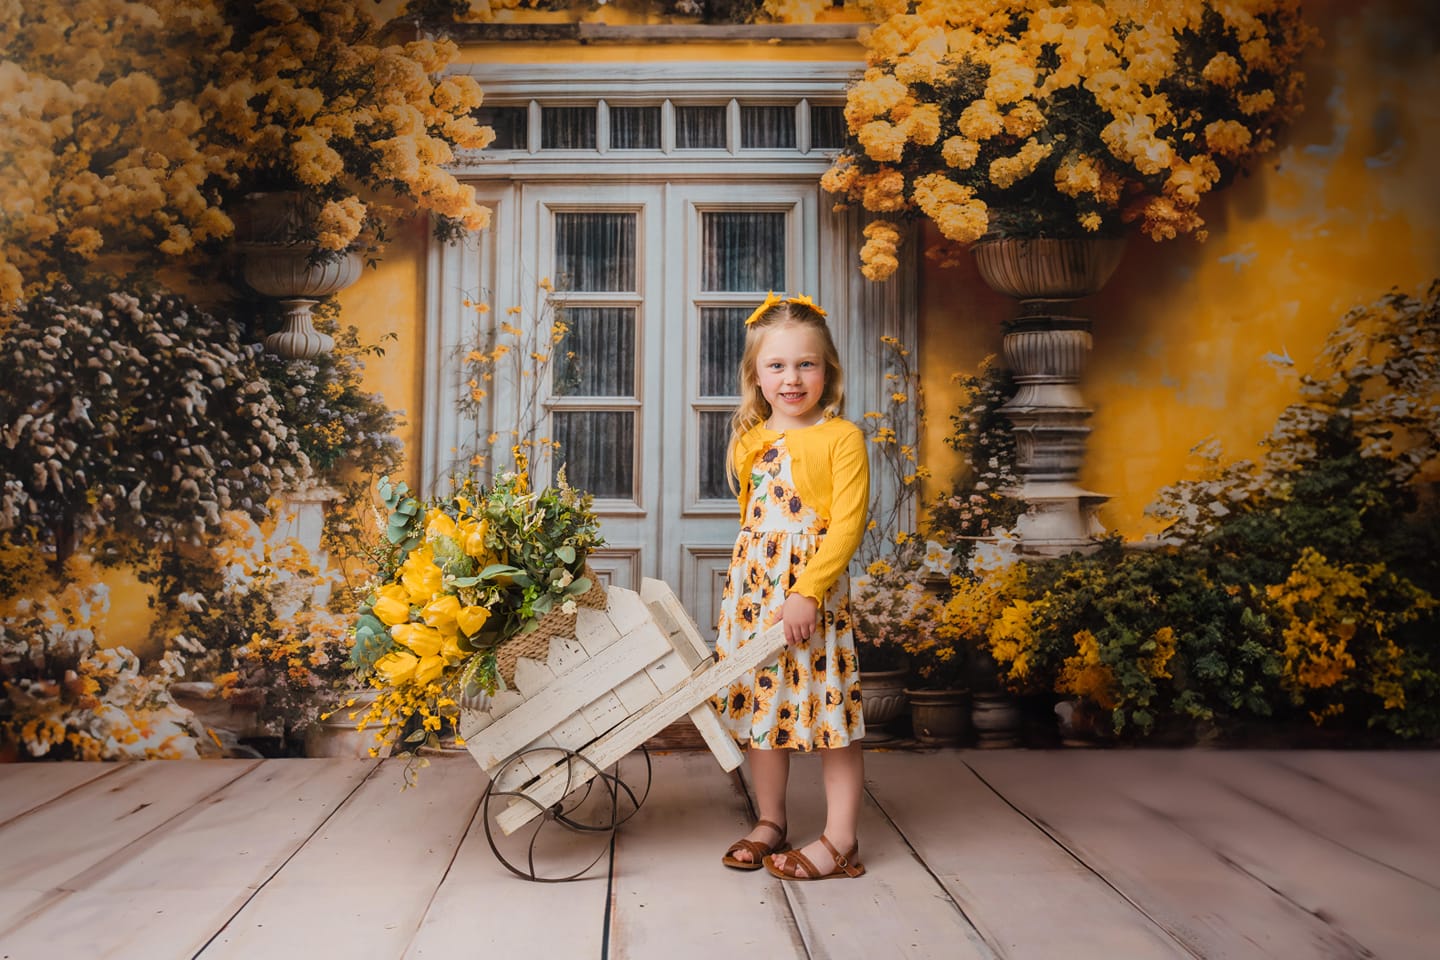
<point x="971" y="854"/>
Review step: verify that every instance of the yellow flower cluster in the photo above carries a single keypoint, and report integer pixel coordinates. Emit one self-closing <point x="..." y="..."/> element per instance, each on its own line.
<point x="124" y="124"/>
<point x="1032" y="117"/>
<point x="1333" y="630"/>
<point x="1085" y="675"/>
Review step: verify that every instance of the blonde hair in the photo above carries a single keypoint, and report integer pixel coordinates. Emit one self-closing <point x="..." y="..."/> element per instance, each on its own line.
<point x="754" y="408"/>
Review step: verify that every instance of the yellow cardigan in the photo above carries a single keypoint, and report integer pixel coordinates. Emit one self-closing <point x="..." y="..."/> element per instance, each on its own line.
<point x="832" y="477"/>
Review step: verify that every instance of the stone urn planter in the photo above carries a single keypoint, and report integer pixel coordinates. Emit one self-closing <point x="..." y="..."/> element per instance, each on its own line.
<point x="996" y="718"/>
<point x="882" y="699"/>
<point x="277" y="262"/>
<point x="1047" y="349"/>
<point x="940" y="718"/>
<point x="337" y="736"/>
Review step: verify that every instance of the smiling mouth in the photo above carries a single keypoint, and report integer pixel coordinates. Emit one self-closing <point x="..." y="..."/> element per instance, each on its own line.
<point x="792" y="397"/>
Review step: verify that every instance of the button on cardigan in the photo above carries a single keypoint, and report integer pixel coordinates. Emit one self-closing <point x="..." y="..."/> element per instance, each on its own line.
<point x="832" y="476"/>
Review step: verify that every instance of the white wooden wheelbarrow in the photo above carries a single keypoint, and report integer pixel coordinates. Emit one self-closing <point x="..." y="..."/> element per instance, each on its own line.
<point x="629" y="671"/>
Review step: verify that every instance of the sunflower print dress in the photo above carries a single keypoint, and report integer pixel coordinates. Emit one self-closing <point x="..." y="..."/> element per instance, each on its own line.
<point x="810" y="697"/>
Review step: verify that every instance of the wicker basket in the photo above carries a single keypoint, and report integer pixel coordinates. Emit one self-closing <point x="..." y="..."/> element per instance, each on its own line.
<point x="536" y="643"/>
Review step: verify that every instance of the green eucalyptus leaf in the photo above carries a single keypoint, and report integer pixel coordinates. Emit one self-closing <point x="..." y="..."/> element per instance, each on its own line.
<point x="566" y="554"/>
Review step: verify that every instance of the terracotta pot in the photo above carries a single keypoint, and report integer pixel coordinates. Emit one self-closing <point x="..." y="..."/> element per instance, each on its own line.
<point x="996" y="718"/>
<point x="337" y="736"/>
<point x="1048" y="268"/>
<point x="940" y="717"/>
<point x="882" y="696"/>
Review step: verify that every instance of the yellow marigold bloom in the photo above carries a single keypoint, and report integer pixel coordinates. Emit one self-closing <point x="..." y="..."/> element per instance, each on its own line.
<point x="1188" y="182"/>
<point x="1091" y="221"/>
<point x="1006" y="171"/>
<point x="1133" y="139"/>
<point x="953" y="207"/>
<point x="981" y="121"/>
<point x="1223" y="70"/>
<point x="1253" y="103"/>
<point x="882" y="191"/>
<point x="1228" y="138"/>
<point x="1011" y="78"/>
<point x="882" y="141"/>
<point x="960" y="152"/>
<point x="873" y="96"/>
<point x="85" y="242"/>
<point x="1024" y="119"/>
<point x="922" y="126"/>
<point x="877" y="256"/>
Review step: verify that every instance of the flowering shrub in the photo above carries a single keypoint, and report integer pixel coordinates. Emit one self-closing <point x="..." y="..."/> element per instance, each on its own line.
<point x="981" y="507"/>
<point x="301" y="663"/>
<point x="895" y="616"/>
<point x="135" y="416"/>
<point x="468" y="573"/>
<point x="1046" y="118"/>
<point x="339" y="427"/>
<point x="138" y="125"/>
<point x="261" y="614"/>
<point x="1247" y="614"/>
<point x="71" y="699"/>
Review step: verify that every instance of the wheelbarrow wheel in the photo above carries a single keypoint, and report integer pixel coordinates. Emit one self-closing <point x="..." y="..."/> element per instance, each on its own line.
<point x="578" y="829"/>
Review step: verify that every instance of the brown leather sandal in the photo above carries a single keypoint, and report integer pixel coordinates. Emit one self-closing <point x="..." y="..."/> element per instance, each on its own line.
<point x="846" y="865"/>
<point x="758" y="851"/>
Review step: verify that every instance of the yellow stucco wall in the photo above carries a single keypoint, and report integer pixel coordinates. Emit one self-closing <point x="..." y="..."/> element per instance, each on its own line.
<point x="1344" y="210"/>
<point x="1347" y="208"/>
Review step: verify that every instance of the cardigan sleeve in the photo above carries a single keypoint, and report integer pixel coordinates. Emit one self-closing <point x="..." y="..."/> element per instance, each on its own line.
<point x="850" y="497"/>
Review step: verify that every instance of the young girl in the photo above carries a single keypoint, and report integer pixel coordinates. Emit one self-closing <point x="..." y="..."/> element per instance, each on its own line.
<point x="803" y="484"/>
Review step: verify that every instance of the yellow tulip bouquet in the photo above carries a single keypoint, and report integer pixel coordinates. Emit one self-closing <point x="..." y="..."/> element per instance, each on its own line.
<point x="465" y="575"/>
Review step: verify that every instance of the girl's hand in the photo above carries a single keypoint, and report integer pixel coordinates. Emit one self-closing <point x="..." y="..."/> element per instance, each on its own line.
<point x="800" y="616"/>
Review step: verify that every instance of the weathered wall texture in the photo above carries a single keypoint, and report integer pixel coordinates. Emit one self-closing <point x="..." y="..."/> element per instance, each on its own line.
<point x="1188" y="335"/>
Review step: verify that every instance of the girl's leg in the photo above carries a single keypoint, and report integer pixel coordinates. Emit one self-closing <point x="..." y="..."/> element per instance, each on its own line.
<point x="844" y="774"/>
<point x="770" y="771"/>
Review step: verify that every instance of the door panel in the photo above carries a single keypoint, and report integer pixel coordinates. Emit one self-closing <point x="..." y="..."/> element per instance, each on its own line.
<point x="654" y="282"/>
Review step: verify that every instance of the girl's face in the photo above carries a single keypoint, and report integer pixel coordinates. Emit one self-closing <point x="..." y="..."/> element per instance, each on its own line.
<point x="790" y="367"/>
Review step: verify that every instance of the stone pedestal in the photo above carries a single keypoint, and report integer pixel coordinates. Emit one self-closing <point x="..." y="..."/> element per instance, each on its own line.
<point x="1046" y="347"/>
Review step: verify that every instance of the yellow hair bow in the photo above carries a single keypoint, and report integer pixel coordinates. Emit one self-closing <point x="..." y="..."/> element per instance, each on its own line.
<point x="805" y="301"/>
<point x="773" y="298"/>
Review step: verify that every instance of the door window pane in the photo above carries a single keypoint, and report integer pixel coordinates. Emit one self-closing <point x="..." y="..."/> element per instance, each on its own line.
<point x="743" y="251"/>
<point x="595" y="251"/>
<point x="767" y="126"/>
<point x="567" y="128"/>
<point x="827" y="127"/>
<point x="511" y="126"/>
<point x="635" y="128"/>
<point x="597" y="356"/>
<point x="700" y="128"/>
<point x="714" y="442"/>
<point x="722" y="344"/>
<point x="597" y="449"/>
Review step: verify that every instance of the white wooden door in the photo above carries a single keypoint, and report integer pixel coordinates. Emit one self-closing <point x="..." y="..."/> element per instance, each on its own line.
<point x="655" y="280"/>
